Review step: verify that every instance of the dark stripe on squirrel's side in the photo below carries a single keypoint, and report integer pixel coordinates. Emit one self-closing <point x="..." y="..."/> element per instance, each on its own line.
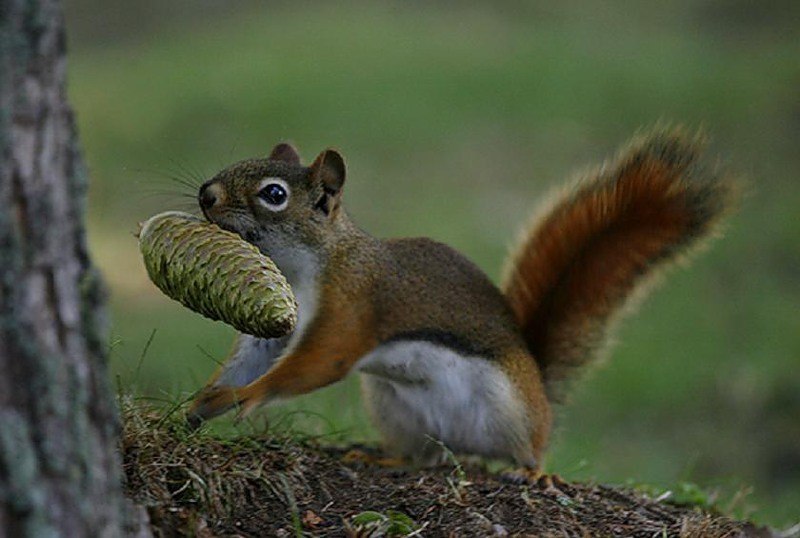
<point x="444" y="339"/>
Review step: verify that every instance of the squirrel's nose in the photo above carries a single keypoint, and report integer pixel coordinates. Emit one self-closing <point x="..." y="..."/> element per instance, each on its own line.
<point x="207" y="198"/>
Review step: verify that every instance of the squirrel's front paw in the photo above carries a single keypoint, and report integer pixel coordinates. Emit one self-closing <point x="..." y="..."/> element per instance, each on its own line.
<point x="210" y="403"/>
<point x="246" y="405"/>
<point x="214" y="401"/>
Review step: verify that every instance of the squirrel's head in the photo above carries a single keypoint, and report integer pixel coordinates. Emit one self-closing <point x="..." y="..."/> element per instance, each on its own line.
<point x="276" y="203"/>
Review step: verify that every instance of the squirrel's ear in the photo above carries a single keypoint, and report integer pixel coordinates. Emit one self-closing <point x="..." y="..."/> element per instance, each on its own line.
<point x="329" y="168"/>
<point x="285" y="152"/>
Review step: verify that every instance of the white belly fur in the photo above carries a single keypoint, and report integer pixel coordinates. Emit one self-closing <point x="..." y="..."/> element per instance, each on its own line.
<point x="422" y="395"/>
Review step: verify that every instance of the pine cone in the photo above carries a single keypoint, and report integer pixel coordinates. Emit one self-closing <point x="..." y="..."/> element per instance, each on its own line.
<point x="217" y="274"/>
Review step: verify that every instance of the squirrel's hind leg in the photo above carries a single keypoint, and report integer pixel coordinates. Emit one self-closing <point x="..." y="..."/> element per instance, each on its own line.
<point x="427" y="399"/>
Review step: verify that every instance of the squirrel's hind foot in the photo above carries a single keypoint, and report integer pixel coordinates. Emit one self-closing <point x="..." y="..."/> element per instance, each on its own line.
<point x="364" y="458"/>
<point x="533" y="476"/>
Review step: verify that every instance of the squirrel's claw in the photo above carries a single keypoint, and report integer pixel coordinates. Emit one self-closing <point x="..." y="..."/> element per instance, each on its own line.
<point x="534" y="477"/>
<point x="194" y="421"/>
<point x="210" y="403"/>
<point x="214" y="401"/>
<point x="246" y="407"/>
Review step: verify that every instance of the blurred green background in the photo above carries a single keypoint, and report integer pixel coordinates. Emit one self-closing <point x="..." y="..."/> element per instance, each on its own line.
<point x="456" y="118"/>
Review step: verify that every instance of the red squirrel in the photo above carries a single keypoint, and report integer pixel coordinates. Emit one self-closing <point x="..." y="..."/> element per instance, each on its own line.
<point x="447" y="358"/>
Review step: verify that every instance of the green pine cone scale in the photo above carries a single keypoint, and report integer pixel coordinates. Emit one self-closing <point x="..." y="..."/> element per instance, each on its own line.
<point x="217" y="274"/>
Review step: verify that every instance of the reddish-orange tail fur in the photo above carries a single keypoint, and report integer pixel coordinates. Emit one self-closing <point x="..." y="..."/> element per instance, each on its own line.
<point x="601" y="242"/>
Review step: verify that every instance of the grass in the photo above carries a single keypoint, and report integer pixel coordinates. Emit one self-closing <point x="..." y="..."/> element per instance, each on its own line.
<point x="454" y="125"/>
<point x="392" y="523"/>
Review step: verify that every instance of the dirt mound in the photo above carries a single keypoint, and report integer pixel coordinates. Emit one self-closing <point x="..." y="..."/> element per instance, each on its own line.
<point x="196" y="484"/>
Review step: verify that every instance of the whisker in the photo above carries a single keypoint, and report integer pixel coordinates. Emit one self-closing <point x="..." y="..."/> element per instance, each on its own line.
<point x="182" y="181"/>
<point x="233" y="148"/>
<point x="192" y="172"/>
<point x="182" y="195"/>
<point x="192" y="176"/>
<point x="168" y="200"/>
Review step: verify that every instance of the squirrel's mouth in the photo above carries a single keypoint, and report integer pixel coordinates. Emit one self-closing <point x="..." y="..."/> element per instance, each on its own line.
<point x="232" y="221"/>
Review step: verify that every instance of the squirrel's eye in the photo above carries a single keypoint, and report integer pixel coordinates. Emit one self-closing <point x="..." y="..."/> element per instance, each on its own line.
<point x="275" y="195"/>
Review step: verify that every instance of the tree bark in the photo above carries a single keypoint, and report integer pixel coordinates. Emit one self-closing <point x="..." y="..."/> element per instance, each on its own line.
<point x="59" y="464"/>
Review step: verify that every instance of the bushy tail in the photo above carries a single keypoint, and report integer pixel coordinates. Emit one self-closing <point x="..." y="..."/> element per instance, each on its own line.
<point x="597" y="245"/>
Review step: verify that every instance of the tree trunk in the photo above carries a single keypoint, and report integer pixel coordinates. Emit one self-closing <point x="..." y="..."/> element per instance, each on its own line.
<point x="59" y="465"/>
